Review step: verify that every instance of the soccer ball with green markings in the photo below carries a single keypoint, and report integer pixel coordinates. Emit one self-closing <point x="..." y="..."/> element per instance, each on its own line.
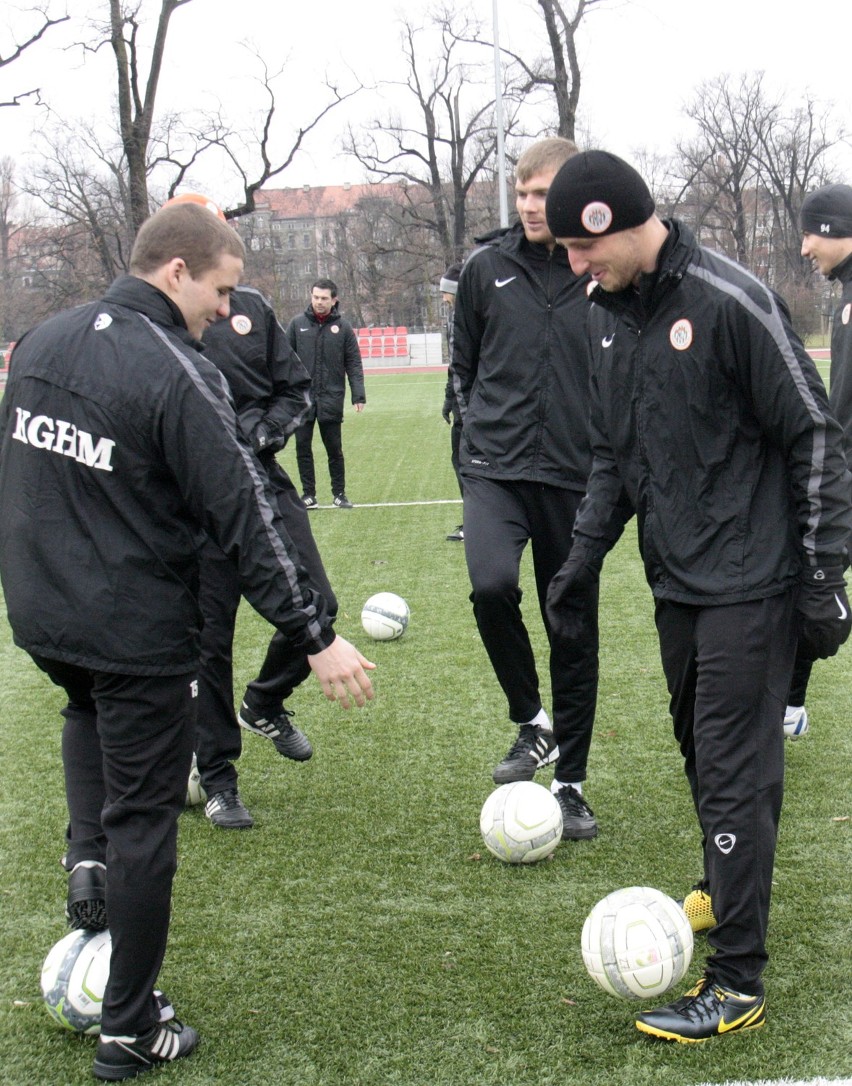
<point x="521" y="822"/>
<point x="637" y="943"/>
<point x="74" y="977"/>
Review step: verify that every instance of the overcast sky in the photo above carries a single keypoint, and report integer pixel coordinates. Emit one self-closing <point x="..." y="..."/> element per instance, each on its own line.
<point x="642" y="60"/>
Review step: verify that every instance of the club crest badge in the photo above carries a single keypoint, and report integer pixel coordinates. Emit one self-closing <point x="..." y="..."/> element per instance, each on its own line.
<point x="681" y="335"/>
<point x="241" y="324"/>
<point x="596" y="217"/>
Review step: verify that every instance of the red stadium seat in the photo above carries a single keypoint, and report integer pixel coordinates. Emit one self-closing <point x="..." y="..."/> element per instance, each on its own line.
<point x="402" y="331"/>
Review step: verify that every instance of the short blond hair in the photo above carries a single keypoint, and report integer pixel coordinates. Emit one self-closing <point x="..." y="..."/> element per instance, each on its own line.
<point x="547" y="154"/>
<point x="187" y="231"/>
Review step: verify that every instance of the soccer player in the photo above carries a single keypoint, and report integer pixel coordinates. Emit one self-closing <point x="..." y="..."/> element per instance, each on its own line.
<point x="826" y="221"/>
<point x="520" y="372"/>
<point x="708" y="410"/>
<point x="327" y="345"/>
<point x="118" y="448"/>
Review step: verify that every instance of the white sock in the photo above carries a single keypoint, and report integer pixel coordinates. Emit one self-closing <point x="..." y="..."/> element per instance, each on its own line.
<point x="541" y="720"/>
<point x="556" y="785"/>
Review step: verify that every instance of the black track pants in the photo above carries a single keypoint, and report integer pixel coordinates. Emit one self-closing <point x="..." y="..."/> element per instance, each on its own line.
<point x="127" y="748"/>
<point x="500" y="518"/>
<point x="727" y="671"/>
<point x="219" y="742"/>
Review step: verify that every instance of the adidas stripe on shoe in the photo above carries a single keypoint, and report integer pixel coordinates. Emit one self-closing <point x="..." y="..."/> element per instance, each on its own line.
<point x="286" y="737"/>
<point x="126" y="1056"/>
<point x="535" y="747"/>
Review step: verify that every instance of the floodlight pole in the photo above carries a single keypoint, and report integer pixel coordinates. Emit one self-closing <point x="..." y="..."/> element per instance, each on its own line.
<point x="498" y="124"/>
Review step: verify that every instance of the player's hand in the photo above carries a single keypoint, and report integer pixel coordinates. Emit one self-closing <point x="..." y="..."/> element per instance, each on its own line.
<point x="824" y="618"/>
<point x="567" y="603"/>
<point x="342" y="673"/>
<point x="447" y="411"/>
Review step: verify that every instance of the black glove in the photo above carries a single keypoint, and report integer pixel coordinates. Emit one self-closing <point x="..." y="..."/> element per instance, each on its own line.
<point x="568" y="593"/>
<point x="263" y="442"/>
<point x="447" y="410"/>
<point x="824" y="619"/>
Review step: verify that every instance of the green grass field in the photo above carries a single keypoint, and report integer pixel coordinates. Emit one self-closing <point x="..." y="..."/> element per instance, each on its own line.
<point x="360" y="935"/>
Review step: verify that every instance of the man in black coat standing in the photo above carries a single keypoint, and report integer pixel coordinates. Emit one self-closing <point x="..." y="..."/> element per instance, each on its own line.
<point x="328" y="347"/>
<point x="109" y="426"/>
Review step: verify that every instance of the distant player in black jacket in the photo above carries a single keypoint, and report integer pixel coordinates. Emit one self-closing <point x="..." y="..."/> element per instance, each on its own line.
<point x="709" y="412"/>
<point x="119" y="447"/>
<point x="520" y="372"/>
<point x="328" y="347"/>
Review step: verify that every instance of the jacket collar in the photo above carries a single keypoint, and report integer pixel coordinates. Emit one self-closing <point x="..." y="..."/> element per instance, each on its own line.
<point x="643" y="298"/>
<point x="843" y="272"/>
<point x="330" y="319"/>
<point x="143" y="297"/>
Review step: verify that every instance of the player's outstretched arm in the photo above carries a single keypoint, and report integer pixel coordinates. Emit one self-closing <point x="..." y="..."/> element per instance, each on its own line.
<point x="342" y="670"/>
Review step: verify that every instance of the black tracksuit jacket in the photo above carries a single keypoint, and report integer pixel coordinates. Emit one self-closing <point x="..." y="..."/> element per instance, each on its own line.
<point x="709" y="411"/>
<point x="118" y="445"/>
<point x="329" y="352"/>
<point x="520" y="364"/>
<point x="270" y="387"/>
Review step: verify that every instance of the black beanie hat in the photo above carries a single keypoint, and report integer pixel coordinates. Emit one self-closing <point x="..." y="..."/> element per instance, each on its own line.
<point x="828" y="212"/>
<point x="596" y="193"/>
<point x="450" y="279"/>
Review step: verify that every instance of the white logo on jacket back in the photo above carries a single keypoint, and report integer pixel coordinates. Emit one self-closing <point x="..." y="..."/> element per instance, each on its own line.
<point x="63" y="438"/>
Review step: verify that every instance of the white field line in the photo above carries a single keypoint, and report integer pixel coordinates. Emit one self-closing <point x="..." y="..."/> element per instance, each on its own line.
<point x="787" y="1082"/>
<point x="391" y="505"/>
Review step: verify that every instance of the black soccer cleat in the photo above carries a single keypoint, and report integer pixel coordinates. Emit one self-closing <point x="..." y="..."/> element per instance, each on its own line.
<point x="535" y="747"/>
<point x="227" y="811"/>
<point x="86" y="903"/>
<point x="126" y="1057"/>
<point x="456" y="536"/>
<point x="578" y="819"/>
<point x="309" y="501"/>
<point x="342" y="502"/>
<point x="288" y="740"/>
<point x="707" y="1010"/>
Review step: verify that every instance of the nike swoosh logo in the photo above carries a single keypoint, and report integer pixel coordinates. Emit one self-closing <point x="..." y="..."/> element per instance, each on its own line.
<point x="742" y="1021"/>
<point x="304" y="329"/>
<point x="843" y="612"/>
<point x="502" y="282"/>
<point x="607" y="340"/>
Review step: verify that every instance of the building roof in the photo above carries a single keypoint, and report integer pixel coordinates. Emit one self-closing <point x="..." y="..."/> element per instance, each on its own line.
<point x="320" y="201"/>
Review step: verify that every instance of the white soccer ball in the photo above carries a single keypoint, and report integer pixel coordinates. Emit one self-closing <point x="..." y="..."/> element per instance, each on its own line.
<point x="195" y="793"/>
<point x="521" y="822"/>
<point x="385" y="616"/>
<point x="637" y="943"/>
<point x="73" y="979"/>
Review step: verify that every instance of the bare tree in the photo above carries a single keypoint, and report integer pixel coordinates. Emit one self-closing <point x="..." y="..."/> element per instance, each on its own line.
<point x="793" y="152"/>
<point x="17" y="49"/>
<point x="721" y="162"/>
<point x="558" y="74"/>
<point x="440" y="139"/>
<point x="135" y="104"/>
<point x="255" y="157"/>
